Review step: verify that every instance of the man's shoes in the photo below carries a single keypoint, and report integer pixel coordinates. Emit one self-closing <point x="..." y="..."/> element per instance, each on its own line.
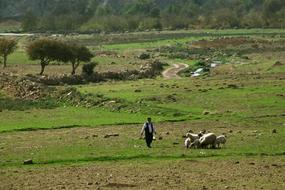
<point x="148" y="146"/>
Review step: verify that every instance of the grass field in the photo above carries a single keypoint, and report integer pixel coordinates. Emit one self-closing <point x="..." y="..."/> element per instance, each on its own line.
<point x="242" y="98"/>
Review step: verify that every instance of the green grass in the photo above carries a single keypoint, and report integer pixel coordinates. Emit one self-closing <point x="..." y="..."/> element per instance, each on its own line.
<point x="72" y="146"/>
<point x="64" y="117"/>
<point x="20" y="57"/>
<point x="149" y="45"/>
<point x="257" y="104"/>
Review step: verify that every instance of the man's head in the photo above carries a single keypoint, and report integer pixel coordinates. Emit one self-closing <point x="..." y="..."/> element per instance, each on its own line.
<point x="149" y="119"/>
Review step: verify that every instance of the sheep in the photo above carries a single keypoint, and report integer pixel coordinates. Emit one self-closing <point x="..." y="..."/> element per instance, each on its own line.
<point x="221" y="140"/>
<point x="195" y="144"/>
<point x="208" y="139"/>
<point x="203" y="132"/>
<point x="192" y="136"/>
<point x="187" y="142"/>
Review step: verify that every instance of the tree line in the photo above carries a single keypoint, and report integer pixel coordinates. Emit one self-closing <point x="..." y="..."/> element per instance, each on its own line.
<point x="131" y="15"/>
<point x="48" y="50"/>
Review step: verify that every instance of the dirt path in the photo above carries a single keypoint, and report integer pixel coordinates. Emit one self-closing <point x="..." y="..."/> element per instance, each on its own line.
<point x="172" y="72"/>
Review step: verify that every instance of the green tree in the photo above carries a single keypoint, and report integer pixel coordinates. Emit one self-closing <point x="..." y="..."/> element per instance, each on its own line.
<point x="78" y="54"/>
<point x="48" y="50"/>
<point x="7" y="46"/>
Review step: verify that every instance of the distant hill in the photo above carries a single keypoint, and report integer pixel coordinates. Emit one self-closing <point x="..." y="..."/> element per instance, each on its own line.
<point x="122" y="15"/>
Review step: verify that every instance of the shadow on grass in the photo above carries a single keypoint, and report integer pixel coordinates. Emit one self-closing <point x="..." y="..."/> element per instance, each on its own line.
<point x="145" y="157"/>
<point x="22" y="105"/>
<point x="63" y="127"/>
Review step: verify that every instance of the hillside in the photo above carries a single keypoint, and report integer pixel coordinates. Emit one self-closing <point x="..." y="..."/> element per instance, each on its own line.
<point x="131" y="15"/>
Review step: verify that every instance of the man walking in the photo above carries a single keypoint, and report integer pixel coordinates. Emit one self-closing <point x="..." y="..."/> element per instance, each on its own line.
<point x="148" y="129"/>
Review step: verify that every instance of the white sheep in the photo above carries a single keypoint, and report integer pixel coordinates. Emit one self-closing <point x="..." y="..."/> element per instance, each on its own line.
<point x="208" y="139"/>
<point x="221" y="140"/>
<point x="192" y="136"/>
<point x="187" y="142"/>
<point x="195" y="144"/>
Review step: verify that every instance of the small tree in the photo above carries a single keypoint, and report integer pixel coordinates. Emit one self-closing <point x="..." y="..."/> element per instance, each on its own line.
<point x="48" y="50"/>
<point x="88" y="69"/>
<point x="79" y="54"/>
<point x="7" y="46"/>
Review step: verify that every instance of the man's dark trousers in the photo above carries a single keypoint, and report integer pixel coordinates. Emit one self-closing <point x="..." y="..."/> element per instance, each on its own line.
<point x="148" y="139"/>
<point x="148" y="134"/>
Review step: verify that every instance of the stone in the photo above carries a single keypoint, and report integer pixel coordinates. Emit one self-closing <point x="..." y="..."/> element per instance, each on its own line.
<point x="206" y="112"/>
<point x="274" y="131"/>
<point x="111" y="135"/>
<point x="28" y="162"/>
<point x="144" y="56"/>
<point x="138" y="90"/>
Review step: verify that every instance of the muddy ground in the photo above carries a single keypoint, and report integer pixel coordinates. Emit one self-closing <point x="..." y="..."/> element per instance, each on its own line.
<point x="238" y="173"/>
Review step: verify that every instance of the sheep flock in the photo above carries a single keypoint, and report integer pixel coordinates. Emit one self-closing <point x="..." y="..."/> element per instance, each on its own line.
<point x="204" y="140"/>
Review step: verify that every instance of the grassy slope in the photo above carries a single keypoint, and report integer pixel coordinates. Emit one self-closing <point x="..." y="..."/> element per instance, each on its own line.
<point x="255" y="108"/>
<point x="79" y="145"/>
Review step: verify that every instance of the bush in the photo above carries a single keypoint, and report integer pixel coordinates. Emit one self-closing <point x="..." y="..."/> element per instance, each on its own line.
<point x="88" y="69"/>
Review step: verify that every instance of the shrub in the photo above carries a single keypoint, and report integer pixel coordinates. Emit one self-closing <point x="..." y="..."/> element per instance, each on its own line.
<point x="88" y="69"/>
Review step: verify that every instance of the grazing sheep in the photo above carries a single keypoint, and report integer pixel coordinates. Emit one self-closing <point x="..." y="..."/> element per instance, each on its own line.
<point x="208" y="139"/>
<point x="192" y="136"/>
<point x="187" y="142"/>
<point x="203" y="132"/>
<point x="195" y="144"/>
<point x="221" y="140"/>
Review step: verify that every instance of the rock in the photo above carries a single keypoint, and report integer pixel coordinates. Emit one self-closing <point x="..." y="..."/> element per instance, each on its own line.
<point x="167" y="133"/>
<point x="89" y="183"/>
<point x="251" y="163"/>
<point x="175" y="143"/>
<point x="278" y="63"/>
<point x="233" y="86"/>
<point x="227" y="187"/>
<point x="237" y="162"/>
<point x="144" y="56"/>
<point x="28" y="162"/>
<point x="111" y="135"/>
<point x="160" y="138"/>
<point x="206" y="112"/>
<point x="138" y="90"/>
<point x="230" y="131"/>
<point x="274" y="131"/>
<point x="94" y="136"/>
